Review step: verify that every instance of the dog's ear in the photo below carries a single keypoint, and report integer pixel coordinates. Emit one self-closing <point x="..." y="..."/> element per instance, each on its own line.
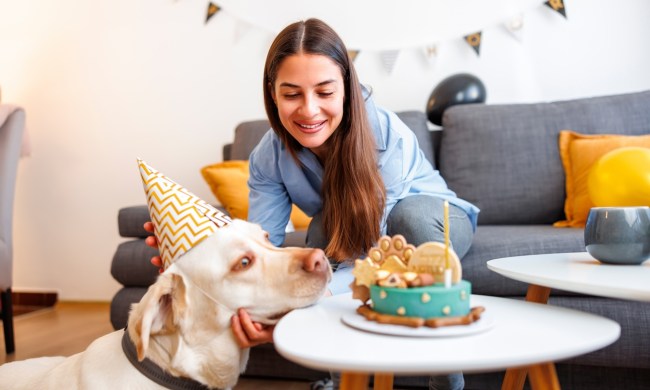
<point x="158" y="311"/>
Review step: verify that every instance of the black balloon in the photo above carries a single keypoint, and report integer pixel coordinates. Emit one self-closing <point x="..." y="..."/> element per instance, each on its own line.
<point x="462" y="88"/>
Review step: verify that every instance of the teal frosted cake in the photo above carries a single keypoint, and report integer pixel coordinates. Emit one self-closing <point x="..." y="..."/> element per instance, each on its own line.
<point x="401" y="284"/>
<point x="426" y="302"/>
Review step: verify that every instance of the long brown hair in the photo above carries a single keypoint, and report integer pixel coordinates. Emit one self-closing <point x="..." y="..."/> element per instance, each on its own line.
<point x="353" y="191"/>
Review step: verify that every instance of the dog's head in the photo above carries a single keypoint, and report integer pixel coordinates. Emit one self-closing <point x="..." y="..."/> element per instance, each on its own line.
<point x="240" y="268"/>
<point x="188" y="309"/>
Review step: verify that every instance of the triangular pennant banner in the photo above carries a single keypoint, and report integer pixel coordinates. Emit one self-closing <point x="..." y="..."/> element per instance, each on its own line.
<point x="212" y="10"/>
<point x="515" y="26"/>
<point x="241" y="28"/>
<point x="353" y="54"/>
<point x="558" y="6"/>
<point x="388" y="59"/>
<point x="430" y="53"/>
<point x="474" y="40"/>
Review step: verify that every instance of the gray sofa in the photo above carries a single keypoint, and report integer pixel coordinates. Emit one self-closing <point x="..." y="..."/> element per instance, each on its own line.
<point x="504" y="159"/>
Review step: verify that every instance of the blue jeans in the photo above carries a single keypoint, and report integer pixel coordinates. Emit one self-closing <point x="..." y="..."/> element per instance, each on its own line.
<point x="420" y="219"/>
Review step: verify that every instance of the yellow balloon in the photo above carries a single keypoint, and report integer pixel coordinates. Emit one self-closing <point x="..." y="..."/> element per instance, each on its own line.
<point x="621" y="178"/>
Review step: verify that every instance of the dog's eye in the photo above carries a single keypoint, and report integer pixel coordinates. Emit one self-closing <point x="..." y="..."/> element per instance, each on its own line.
<point x="242" y="264"/>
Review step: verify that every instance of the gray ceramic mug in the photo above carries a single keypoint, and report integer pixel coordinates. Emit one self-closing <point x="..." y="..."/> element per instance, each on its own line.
<point x="618" y="235"/>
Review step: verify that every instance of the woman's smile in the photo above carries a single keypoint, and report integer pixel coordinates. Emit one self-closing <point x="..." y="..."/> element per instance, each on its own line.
<point x="312" y="127"/>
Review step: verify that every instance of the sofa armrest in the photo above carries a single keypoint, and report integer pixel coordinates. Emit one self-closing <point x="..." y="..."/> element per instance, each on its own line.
<point x="131" y="265"/>
<point x="130" y="221"/>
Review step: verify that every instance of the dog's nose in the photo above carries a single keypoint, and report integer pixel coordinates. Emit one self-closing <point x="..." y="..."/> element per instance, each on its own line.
<point x="315" y="261"/>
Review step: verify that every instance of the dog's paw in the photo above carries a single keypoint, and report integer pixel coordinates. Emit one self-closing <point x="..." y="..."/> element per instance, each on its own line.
<point x="392" y="253"/>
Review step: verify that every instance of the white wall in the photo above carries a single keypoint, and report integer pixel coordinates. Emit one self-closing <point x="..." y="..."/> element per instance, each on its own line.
<point x="106" y="82"/>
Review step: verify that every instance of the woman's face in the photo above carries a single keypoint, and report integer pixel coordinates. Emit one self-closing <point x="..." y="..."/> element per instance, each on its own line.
<point x="309" y="93"/>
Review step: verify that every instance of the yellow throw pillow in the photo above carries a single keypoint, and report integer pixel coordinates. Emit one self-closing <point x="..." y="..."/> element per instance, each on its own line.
<point x="579" y="152"/>
<point x="228" y="182"/>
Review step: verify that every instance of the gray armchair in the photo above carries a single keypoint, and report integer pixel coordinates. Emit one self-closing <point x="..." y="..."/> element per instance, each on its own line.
<point x="12" y="126"/>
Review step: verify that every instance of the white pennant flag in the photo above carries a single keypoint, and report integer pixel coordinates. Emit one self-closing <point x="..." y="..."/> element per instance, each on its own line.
<point x="515" y="26"/>
<point x="430" y="53"/>
<point x="241" y="28"/>
<point x="388" y="59"/>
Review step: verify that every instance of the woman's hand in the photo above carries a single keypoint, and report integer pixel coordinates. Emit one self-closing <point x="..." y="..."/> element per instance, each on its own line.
<point x="248" y="333"/>
<point x="153" y="242"/>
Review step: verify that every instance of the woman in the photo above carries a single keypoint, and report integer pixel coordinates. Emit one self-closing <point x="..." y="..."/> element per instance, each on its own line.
<point x="355" y="168"/>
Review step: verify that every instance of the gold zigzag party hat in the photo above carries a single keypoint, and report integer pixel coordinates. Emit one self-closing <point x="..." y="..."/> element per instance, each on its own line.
<point x="180" y="219"/>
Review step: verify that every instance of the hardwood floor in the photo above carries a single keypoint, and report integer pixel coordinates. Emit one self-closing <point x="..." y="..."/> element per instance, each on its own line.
<point x="66" y="329"/>
<point x="69" y="327"/>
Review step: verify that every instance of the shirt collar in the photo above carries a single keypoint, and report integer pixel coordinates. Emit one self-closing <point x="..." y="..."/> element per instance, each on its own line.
<point x="373" y="119"/>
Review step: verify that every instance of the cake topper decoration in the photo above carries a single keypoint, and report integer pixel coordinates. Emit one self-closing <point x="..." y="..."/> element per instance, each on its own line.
<point x="180" y="219"/>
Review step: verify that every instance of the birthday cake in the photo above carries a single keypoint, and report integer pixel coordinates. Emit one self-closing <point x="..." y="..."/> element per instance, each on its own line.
<point x="401" y="284"/>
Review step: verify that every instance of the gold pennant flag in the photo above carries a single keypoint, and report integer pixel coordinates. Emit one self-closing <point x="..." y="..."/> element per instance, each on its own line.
<point x="474" y="40"/>
<point x="212" y="10"/>
<point x="180" y="219"/>
<point x="353" y="54"/>
<point x="557" y="6"/>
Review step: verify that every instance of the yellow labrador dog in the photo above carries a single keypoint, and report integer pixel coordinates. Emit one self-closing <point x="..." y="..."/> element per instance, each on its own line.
<point x="181" y="327"/>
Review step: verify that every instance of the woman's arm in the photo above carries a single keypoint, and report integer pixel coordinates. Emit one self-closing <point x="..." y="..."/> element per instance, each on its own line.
<point x="269" y="204"/>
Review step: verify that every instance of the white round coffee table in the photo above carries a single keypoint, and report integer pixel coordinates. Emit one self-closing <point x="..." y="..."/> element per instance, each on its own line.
<point x="578" y="272"/>
<point x="522" y="334"/>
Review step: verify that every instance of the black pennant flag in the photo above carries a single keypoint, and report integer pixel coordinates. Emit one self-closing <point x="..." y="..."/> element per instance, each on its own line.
<point x="474" y="40"/>
<point x="212" y="10"/>
<point x="558" y="6"/>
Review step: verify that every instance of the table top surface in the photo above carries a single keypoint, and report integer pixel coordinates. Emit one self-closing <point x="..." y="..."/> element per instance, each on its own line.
<point x="523" y="333"/>
<point x="578" y="272"/>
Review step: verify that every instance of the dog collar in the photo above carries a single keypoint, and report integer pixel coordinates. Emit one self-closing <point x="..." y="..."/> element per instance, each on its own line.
<point x="152" y="371"/>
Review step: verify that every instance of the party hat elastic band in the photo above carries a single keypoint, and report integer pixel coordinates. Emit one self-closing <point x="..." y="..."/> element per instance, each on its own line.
<point x="180" y="219"/>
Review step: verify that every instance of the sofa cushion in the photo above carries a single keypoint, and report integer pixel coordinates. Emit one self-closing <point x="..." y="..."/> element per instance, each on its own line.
<point x="579" y="152"/>
<point x="505" y="158"/>
<point x="228" y="182"/>
<point x="495" y="241"/>
<point x="631" y="349"/>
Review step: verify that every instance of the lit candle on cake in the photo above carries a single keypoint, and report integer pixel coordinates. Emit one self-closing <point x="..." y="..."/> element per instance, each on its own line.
<point x="446" y="227"/>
